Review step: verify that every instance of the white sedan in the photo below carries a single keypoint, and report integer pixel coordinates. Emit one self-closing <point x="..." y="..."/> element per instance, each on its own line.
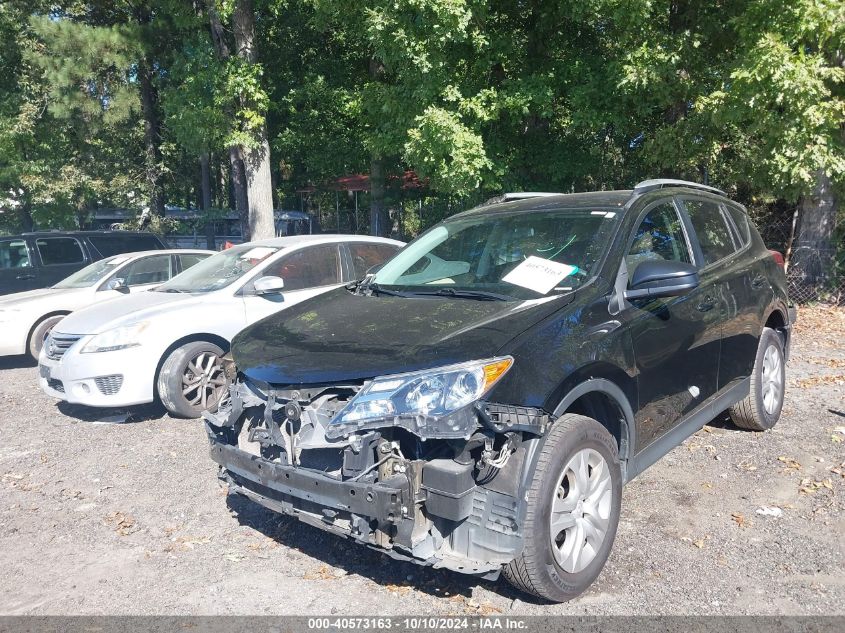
<point x="168" y="343"/>
<point x="27" y="317"/>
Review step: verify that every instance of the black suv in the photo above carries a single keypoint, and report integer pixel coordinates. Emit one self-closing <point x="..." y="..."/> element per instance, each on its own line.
<point x="478" y="402"/>
<point x="39" y="260"/>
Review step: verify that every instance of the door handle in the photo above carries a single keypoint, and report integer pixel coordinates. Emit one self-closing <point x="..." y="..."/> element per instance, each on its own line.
<point x="708" y="304"/>
<point x="29" y="276"/>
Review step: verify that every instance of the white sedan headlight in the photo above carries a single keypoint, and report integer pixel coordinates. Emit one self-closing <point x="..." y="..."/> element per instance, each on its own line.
<point x="117" y="338"/>
<point x="422" y="401"/>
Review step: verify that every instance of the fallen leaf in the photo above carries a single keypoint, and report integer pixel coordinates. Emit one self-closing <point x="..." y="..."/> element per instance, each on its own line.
<point x="791" y="463"/>
<point x="740" y="520"/>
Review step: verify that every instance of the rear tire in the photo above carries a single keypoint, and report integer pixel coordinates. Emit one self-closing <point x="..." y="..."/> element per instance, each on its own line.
<point x="40" y="332"/>
<point x="760" y="410"/>
<point x="576" y="494"/>
<point x="191" y="380"/>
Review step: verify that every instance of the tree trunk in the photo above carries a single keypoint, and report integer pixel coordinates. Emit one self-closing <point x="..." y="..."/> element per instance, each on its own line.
<point x="256" y="158"/>
<point x="152" y="136"/>
<point x="238" y="196"/>
<point x="205" y="198"/>
<point x="239" y="190"/>
<point x="813" y="256"/>
<point x="24" y="213"/>
<point x="379" y="217"/>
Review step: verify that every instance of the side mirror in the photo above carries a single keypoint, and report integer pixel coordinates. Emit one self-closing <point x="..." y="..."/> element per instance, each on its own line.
<point x="119" y="284"/>
<point x="269" y="285"/>
<point x="662" y="278"/>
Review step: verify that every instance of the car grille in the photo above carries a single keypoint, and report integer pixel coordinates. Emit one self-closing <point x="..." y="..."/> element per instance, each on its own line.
<point x="56" y="385"/>
<point x="109" y="385"/>
<point x="58" y="344"/>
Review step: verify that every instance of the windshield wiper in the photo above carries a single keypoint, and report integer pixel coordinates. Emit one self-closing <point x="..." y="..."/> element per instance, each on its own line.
<point x="169" y="290"/>
<point x="479" y="295"/>
<point x="376" y="289"/>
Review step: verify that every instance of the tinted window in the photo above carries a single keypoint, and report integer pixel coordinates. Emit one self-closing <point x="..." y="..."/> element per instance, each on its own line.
<point x="660" y="236"/>
<point x="190" y="259"/>
<point x="13" y="254"/>
<point x="59" y="250"/>
<point x="149" y="270"/>
<point x="365" y="256"/>
<point x="308" y="268"/>
<point x="115" y="244"/>
<point x="711" y="229"/>
<point x="741" y="221"/>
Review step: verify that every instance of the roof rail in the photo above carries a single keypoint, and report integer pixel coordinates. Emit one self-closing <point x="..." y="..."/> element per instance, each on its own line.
<point x="524" y="195"/>
<point x="659" y="183"/>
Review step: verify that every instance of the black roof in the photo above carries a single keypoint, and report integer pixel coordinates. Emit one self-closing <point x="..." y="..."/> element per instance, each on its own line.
<point x="57" y="233"/>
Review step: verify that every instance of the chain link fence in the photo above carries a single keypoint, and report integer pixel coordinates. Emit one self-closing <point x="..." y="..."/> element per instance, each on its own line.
<point x="802" y="289"/>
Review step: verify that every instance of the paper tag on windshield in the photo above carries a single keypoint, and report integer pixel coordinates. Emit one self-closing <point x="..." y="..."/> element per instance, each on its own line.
<point x="538" y="274"/>
<point x="259" y="252"/>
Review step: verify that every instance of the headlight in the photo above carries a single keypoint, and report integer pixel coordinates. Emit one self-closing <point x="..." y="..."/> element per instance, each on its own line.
<point x="118" y="338"/>
<point x="425" y="396"/>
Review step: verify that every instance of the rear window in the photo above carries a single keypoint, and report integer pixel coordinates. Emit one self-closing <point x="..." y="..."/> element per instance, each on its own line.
<point x="712" y="230"/>
<point x="109" y="245"/>
<point x="59" y="250"/>
<point x="365" y="256"/>
<point x="740" y="219"/>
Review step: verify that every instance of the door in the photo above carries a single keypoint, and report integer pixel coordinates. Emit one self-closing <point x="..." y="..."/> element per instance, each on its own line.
<point x="306" y="272"/>
<point x="60" y="256"/>
<point x="17" y="272"/>
<point x="722" y="246"/>
<point x="675" y="339"/>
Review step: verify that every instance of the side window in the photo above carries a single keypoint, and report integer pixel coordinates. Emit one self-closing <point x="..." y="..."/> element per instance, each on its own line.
<point x="365" y="256"/>
<point x="712" y="231"/>
<point x="740" y="219"/>
<point x="59" y="250"/>
<point x="14" y="254"/>
<point x="149" y="270"/>
<point x="660" y="236"/>
<point x="309" y="267"/>
<point x="190" y="259"/>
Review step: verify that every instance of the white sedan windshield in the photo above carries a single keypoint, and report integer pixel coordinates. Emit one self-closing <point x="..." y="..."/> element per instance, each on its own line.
<point x="220" y="270"/>
<point x="93" y="273"/>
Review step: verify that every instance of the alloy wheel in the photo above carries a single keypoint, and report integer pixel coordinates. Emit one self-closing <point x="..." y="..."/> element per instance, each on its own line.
<point x="581" y="509"/>
<point x="772" y="380"/>
<point x="203" y="380"/>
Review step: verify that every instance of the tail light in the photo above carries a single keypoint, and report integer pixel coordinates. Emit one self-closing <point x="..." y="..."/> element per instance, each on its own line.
<point x="778" y="257"/>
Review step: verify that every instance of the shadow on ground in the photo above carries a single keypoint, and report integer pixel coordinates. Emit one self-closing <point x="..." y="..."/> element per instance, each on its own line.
<point x="141" y="413"/>
<point x="338" y="552"/>
<point x="17" y="362"/>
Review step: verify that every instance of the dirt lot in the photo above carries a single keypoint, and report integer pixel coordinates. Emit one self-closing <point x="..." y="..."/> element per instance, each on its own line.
<point x="106" y="518"/>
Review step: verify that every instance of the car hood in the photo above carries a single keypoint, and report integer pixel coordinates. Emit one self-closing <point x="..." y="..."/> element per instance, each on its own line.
<point x="22" y="299"/>
<point x="121" y="311"/>
<point x="339" y="336"/>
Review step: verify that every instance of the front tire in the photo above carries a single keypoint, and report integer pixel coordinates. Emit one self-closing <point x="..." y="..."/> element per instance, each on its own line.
<point x="191" y="379"/>
<point x="40" y="332"/>
<point x="760" y="410"/>
<point x="574" y="502"/>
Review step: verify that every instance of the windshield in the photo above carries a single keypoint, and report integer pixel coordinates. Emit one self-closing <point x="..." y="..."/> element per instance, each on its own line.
<point x="517" y="255"/>
<point x="93" y="273"/>
<point x="220" y="270"/>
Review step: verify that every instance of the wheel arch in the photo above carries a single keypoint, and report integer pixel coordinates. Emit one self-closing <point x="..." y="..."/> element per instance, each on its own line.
<point x="190" y="338"/>
<point x="39" y="321"/>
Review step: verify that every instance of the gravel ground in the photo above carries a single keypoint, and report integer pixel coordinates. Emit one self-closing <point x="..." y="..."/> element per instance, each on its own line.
<point x="104" y="518"/>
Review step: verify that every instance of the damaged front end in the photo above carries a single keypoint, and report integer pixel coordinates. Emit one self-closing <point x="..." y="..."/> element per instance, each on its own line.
<point x="415" y="465"/>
